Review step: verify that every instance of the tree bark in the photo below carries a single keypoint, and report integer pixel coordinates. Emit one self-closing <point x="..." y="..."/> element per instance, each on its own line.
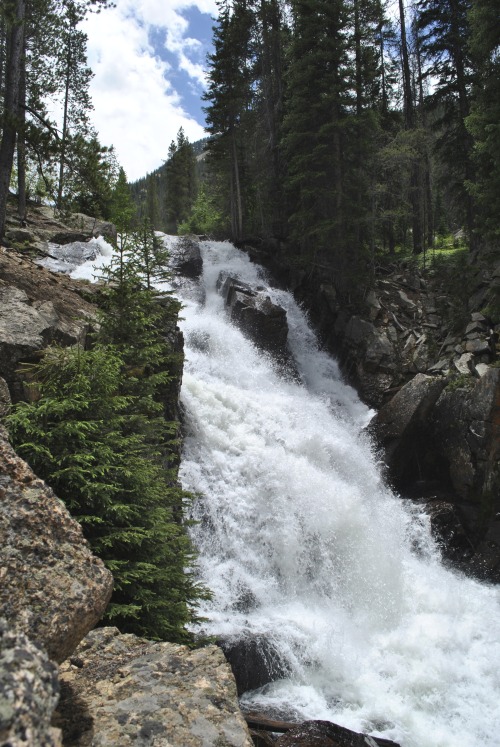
<point x="21" y="141"/>
<point x="409" y="112"/>
<point x="64" y="134"/>
<point x="238" y="208"/>
<point x="15" y="37"/>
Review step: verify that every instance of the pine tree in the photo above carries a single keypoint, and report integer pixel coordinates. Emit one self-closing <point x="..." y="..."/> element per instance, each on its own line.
<point x="14" y="15"/>
<point x="91" y="171"/>
<point x="122" y="209"/>
<point x="82" y="437"/>
<point x="230" y="95"/>
<point x="71" y="68"/>
<point x="152" y="201"/>
<point x="181" y="181"/>
<point x="318" y="95"/>
<point x="484" y="120"/>
<point x="265" y="207"/>
<point x="34" y="38"/>
<point x="204" y="217"/>
<point x="444" y="33"/>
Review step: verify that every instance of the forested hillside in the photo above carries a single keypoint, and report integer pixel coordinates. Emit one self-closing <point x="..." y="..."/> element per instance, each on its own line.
<point x="167" y="195"/>
<point x="349" y="133"/>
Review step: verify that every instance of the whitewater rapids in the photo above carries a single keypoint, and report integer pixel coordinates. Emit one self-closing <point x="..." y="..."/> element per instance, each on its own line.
<point x="302" y="544"/>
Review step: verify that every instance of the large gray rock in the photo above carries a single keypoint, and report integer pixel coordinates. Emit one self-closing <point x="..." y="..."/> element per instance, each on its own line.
<point x="373" y="360"/>
<point x="89" y="226"/>
<point x="326" y="734"/>
<point x="467" y="430"/>
<point x="375" y="348"/>
<point x="435" y="429"/>
<point x="256" y="315"/>
<point x="29" y="692"/>
<point x="67" y="257"/>
<point x="51" y="586"/>
<point x="120" y="690"/>
<point x="254" y="662"/>
<point x="186" y="258"/>
<point x="20" y="236"/>
<point x="400" y="426"/>
<point x="27" y="325"/>
<point x="5" y="399"/>
<point x="67" y="237"/>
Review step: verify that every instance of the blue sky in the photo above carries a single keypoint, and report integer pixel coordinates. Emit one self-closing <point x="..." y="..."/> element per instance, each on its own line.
<point x="149" y="58"/>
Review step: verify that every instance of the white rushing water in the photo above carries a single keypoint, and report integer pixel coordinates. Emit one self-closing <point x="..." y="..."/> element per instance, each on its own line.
<point x="303" y="545"/>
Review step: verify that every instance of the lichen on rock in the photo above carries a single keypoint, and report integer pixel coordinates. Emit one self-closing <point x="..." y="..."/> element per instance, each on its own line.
<point x="131" y="691"/>
<point x="51" y="586"/>
<point x="29" y="692"/>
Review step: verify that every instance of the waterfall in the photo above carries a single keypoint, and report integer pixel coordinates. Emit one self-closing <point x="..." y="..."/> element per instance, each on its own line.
<point x="303" y="546"/>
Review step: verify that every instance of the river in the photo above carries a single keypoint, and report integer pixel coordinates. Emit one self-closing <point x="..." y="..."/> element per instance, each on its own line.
<point x="304" y="546"/>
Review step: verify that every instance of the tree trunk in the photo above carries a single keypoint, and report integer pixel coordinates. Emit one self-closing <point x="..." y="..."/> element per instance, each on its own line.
<point x="21" y="141"/>
<point x="457" y="52"/>
<point x="428" y="201"/>
<point x="358" y="73"/>
<point x="407" y="93"/>
<point x="15" y="36"/>
<point x="409" y="113"/>
<point x="3" y="43"/>
<point x="64" y="134"/>
<point x="238" y="210"/>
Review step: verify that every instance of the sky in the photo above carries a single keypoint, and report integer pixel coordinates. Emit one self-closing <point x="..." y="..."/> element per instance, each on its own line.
<point x="148" y="59"/>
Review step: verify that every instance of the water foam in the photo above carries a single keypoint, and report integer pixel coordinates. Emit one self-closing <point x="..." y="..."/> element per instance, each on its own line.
<point x="302" y="543"/>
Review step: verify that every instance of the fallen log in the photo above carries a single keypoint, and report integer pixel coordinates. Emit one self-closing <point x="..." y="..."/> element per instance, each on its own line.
<point x="311" y="732"/>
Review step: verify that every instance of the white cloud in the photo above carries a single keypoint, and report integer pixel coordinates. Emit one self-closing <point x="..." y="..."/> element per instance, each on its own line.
<point x="136" y="109"/>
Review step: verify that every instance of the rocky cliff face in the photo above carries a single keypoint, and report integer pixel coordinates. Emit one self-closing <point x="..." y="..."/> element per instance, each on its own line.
<point x="52" y="592"/>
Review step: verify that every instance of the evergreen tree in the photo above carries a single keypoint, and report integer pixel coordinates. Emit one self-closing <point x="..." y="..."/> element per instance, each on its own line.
<point x="71" y="68"/>
<point x="230" y="95"/>
<point x="81" y="436"/>
<point x="445" y="33"/>
<point x="484" y="120"/>
<point x="318" y="96"/>
<point x="152" y="201"/>
<point x="91" y="171"/>
<point x="204" y="217"/>
<point x="33" y="32"/>
<point x="14" y="14"/>
<point x="181" y="181"/>
<point x="265" y="212"/>
<point x="122" y="209"/>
